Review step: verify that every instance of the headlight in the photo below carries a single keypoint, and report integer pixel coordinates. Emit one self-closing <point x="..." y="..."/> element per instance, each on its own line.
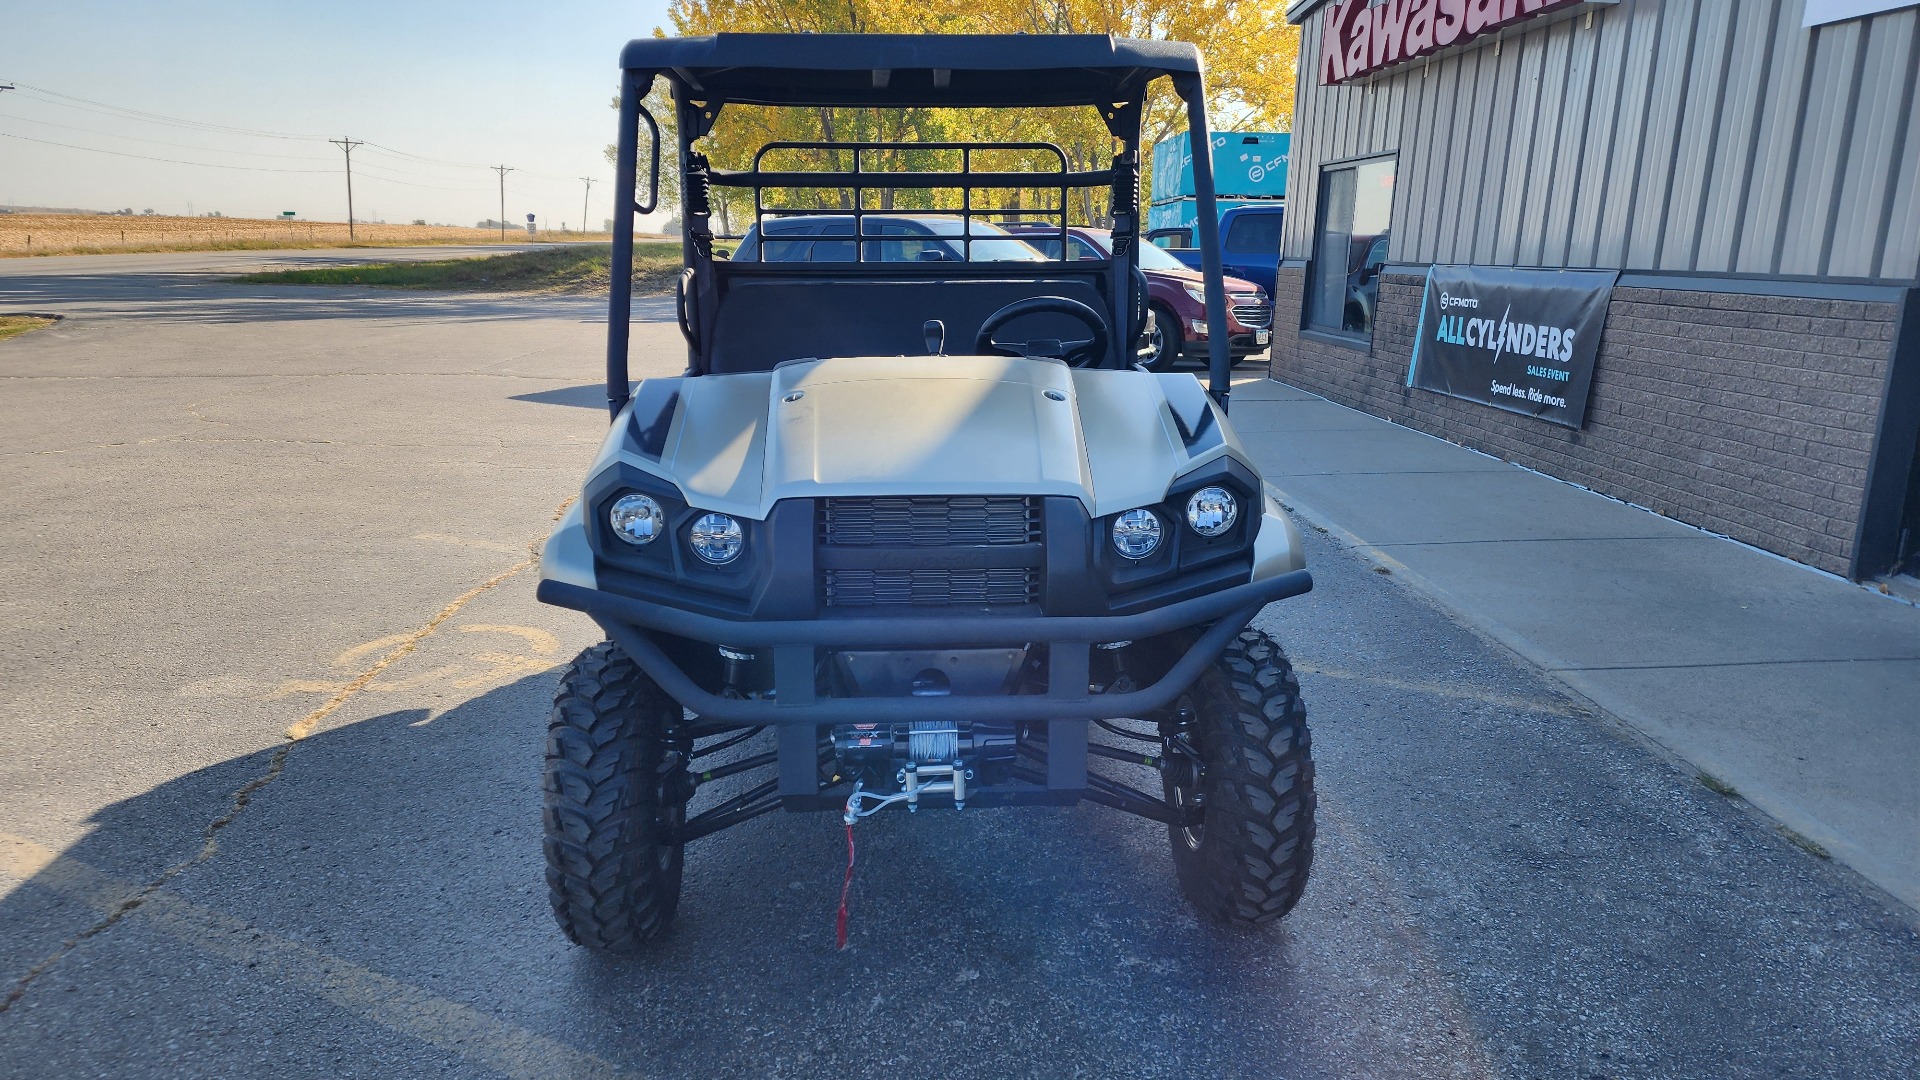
<point x="716" y="538"/>
<point x="1136" y="533"/>
<point x="637" y="519"/>
<point x="1212" y="511"/>
<point x="1198" y="292"/>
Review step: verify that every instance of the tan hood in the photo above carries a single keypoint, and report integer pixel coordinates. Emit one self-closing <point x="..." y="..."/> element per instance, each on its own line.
<point x="861" y="425"/>
<point x="926" y="425"/>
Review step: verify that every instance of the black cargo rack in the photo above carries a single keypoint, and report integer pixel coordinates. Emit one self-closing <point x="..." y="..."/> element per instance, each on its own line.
<point x="860" y="180"/>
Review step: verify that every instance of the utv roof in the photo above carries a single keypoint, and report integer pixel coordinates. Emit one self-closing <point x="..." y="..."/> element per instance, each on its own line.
<point x="913" y="70"/>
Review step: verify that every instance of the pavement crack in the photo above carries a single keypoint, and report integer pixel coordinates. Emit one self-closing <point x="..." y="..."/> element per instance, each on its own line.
<point x="243" y="795"/>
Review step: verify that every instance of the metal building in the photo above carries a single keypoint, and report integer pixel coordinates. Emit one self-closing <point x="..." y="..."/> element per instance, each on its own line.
<point x="1749" y="168"/>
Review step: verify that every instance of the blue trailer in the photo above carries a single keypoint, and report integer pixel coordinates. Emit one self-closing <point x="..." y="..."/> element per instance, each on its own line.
<point x="1250" y="176"/>
<point x="1246" y="164"/>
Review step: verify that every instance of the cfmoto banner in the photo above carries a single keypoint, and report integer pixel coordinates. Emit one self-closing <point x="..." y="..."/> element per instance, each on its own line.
<point x="1519" y="340"/>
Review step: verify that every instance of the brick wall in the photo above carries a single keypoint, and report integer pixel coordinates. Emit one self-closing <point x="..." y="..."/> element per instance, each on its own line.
<point x="1752" y="416"/>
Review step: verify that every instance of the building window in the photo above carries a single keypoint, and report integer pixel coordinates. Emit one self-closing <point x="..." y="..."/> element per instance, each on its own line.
<point x="1350" y="246"/>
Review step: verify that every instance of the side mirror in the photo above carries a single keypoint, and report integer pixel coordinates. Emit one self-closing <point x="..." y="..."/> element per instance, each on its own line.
<point x="653" y="191"/>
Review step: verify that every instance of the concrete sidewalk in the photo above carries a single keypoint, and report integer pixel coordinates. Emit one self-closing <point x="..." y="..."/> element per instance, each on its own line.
<point x="1798" y="689"/>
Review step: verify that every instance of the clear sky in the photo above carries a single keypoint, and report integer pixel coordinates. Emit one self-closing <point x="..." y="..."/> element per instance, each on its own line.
<point x="468" y="81"/>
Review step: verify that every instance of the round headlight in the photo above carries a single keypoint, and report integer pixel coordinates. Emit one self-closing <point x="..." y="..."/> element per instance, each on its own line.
<point x="1136" y="533"/>
<point x="716" y="538"/>
<point x="637" y="519"/>
<point x="1212" y="511"/>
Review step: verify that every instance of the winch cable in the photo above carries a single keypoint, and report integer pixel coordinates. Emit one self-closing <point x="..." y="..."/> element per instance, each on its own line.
<point x="855" y="812"/>
<point x="846" y="886"/>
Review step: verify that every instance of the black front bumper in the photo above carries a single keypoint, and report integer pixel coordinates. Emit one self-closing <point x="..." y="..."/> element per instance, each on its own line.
<point x="631" y="624"/>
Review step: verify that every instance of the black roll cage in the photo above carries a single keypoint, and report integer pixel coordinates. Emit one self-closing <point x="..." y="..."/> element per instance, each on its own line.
<point x="861" y="181"/>
<point x="900" y="71"/>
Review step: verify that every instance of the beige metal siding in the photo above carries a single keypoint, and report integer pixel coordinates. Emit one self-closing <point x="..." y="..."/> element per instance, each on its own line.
<point x="1708" y="135"/>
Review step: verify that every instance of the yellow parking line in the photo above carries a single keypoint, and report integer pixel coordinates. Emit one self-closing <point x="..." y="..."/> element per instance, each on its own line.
<point x="503" y="1047"/>
<point x="404" y="643"/>
<point x="305" y="726"/>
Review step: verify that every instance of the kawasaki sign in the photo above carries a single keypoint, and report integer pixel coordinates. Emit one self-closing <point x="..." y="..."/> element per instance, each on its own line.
<point x="1362" y="37"/>
<point x="1519" y="340"/>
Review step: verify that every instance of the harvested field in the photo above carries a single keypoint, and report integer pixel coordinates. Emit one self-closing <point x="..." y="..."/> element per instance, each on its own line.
<point x="570" y="268"/>
<point x="100" y="234"/>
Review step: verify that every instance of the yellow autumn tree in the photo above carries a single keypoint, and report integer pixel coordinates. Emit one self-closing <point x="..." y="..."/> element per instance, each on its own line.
<point x="1251" y="56"/>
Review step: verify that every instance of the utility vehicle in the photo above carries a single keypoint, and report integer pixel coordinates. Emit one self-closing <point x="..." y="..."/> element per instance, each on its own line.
<point x="910" y="531"/>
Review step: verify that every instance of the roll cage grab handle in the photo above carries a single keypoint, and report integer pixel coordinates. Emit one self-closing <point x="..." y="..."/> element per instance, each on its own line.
<point x="634" y="85"/>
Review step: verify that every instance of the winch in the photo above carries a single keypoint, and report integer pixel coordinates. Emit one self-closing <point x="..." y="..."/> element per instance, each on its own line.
<point x="921" y="757"/>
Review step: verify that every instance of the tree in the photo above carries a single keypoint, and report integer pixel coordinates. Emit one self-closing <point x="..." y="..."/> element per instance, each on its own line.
<point x="1251" y="54"/>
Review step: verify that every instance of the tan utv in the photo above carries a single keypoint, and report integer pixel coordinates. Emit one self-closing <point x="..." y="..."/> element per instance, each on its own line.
<point x="849" y="560"/>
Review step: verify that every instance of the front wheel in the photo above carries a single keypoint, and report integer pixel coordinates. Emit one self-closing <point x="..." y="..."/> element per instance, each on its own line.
<point x="1244" y="726"/>
<point x="616" y="798"/>
<point x="1165" y="341"/>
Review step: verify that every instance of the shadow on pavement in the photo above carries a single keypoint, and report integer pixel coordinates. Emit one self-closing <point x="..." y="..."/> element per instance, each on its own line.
<point x="590" y="396"/>
<point x="408" y="845"/>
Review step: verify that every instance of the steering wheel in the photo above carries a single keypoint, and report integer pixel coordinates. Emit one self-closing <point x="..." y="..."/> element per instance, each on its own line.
<point x="1077" y="353"/>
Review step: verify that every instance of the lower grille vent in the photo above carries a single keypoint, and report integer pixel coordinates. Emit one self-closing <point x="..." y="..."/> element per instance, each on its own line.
<point x="931" y="588"/>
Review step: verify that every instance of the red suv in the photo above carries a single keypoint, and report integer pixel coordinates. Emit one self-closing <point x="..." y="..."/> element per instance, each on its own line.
<point x="1176" y="293"/>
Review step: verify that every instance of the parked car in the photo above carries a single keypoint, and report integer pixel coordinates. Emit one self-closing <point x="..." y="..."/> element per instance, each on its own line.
<point x="1177" y="296"/>
<point x="1249" y="242"/>
<point x="828" y="238"/>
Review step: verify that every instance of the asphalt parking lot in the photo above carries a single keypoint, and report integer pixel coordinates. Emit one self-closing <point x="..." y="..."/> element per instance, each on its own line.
<point x="236" y="511"/>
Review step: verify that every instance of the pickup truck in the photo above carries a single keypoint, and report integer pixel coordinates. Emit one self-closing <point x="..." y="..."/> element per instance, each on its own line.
<point x="1249" y="243"/>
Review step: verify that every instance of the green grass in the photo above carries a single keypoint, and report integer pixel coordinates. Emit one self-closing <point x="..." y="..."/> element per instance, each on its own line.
<point x="573" y="268"/>
<point x="1718" y="786"/>
<point x="13" y="325"/>
<point x="1804" y="843"/>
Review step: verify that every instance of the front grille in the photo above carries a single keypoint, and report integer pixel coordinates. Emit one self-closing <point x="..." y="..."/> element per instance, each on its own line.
<point x="931" y="588"/>
<point x="1257" y="316"/>
<point x="929" y="520"/>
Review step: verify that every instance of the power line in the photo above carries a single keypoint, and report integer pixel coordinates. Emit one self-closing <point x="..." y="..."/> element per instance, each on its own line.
<point x="367" y="173"/>
<point x="158" y="142"/>
<point x="145" y="157"/>
<point x="436" y="161"/>
<point x="70" y="101"/>
<point x="157" y="118"/>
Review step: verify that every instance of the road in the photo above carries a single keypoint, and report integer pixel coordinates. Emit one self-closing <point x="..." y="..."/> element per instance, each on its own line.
<point x="235" y="510"/>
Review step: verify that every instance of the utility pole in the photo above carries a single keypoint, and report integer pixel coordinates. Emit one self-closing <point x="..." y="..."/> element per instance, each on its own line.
<point x="9" y="86"/>
<point x="348" y="145"/>
<point x="503" y="171"/>
<point x="583" y="203"/>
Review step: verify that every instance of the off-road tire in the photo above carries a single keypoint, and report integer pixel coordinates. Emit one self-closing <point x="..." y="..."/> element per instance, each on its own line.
<point x="1247" y="863"/>
<point x="611" y="809"/>
<point x="1172" y="340"/>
